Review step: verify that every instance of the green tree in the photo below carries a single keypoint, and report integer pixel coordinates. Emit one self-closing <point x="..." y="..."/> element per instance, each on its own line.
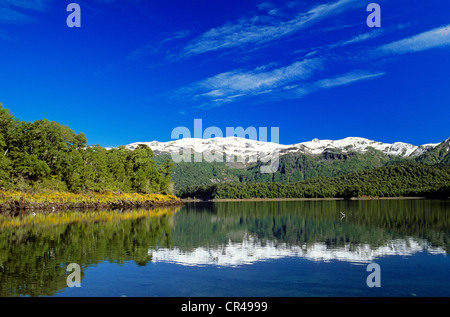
<point x="145" y="176"/>
<point x="47" y="153"/>
<point x="95" y="173"/>
<point x="166" y="174"/>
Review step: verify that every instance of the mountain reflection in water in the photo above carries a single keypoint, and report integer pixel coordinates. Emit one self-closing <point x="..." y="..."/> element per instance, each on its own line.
<point x="250" y="251"/>
<point x="238" y="233"/>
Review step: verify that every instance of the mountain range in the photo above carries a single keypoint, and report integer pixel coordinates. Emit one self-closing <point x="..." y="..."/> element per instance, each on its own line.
<point x="247" y="148"/>
<point x="297" y="162"/>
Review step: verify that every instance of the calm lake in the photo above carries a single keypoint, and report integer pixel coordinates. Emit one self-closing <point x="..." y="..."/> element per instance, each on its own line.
<point x="273" y="249"/>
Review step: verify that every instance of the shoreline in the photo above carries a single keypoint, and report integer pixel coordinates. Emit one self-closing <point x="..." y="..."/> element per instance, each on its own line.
<point x="304" y="199"/>
<point x="120" y="204"/>
<point x="14" y="206"/>
<point x="17" y="206"/>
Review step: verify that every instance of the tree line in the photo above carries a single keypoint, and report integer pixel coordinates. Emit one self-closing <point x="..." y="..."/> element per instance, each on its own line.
<point x="47" y="155"/>
<point x="401" y="180"/>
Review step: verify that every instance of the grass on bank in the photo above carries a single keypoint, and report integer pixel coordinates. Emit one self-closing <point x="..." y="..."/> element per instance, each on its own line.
<point x="74" y="198"/>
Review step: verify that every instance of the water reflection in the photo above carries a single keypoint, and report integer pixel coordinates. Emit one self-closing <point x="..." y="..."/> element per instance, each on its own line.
<point x="35" y="250"/>
<point x="234" y="234"/>
<point x="251" y="250"/>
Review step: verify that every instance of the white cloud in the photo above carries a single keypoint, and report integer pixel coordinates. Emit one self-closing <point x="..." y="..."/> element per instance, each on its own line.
<point x="346" y="79"/>
<point x="7" y="15"/>
<point x="256" y="80"/>
<point x="156" y="47"/>
<point x="359" y="38"/>
<point x="17" y="11"/>
<point x="289" y="82"/>
<point x="35" y="5"/>
<point x="177" y="35"/>
<point x="266" y="6"/>
<point x="230" y="86"/>
<point x="299" y="91"/>
<point x="434" y="38"/>
<point x="263" y="29"/>
<point x="142" y="51"/>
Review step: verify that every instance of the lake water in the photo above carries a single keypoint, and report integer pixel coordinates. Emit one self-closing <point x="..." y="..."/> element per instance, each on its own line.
<point x="264" y="249"/>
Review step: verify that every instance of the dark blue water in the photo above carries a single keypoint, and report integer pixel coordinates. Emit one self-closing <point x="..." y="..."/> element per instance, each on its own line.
<point x="419" y="275"/>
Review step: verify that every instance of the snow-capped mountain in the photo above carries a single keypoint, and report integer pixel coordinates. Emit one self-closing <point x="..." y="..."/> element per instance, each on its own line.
<point x="249" y="149"/>
<point x="355" y="144"/>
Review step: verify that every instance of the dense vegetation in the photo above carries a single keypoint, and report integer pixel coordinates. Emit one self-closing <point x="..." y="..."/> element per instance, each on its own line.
<point x="404" y="179"/>
<point x="47" y="155"/>
<point x="296" y="167"/>
<point x="439" y="155"/>
<point x="292" y="168"/>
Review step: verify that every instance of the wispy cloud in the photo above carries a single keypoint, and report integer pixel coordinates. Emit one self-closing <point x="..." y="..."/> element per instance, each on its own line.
<point x="367" y="36"/>
<point x="19" y="11"/>
<point x="346" y="79"/>
<point x="263" y="28"/>
<point x="5" y="37"/>
<point x="177" y="35"/>
<point x="358" y="38"/>
<point x="290" y="82"/>
<point x="434" y="38"/>
<point x="148" y="49"/>
<point x="300" y="91"/>
<point x="237" y="84"/>
<point x="10" y="15"/>
<point x="156" y="46"/>
<point x="35" y="5"/>
<point x="296" y="80"/>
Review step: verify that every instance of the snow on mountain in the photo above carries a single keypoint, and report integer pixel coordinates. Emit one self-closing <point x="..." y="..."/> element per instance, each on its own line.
<point x="249" y="150"/>
<point x="355" y="144"/>
<point x="424" y="148"/>
<point x="253" y="149"/>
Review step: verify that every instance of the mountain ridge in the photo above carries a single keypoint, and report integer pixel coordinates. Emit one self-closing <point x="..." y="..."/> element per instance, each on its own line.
<point x="253" y="149"/>
<point x="301" y="161"/>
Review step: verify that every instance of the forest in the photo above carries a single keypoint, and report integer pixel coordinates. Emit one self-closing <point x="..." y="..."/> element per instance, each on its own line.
<point x="297" y="167"/>
<point x="45" y="155"/>
<point x="401" y="180"/>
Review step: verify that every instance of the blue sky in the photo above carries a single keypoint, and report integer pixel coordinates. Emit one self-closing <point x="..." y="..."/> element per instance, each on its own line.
<point x="137" y="69"/>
